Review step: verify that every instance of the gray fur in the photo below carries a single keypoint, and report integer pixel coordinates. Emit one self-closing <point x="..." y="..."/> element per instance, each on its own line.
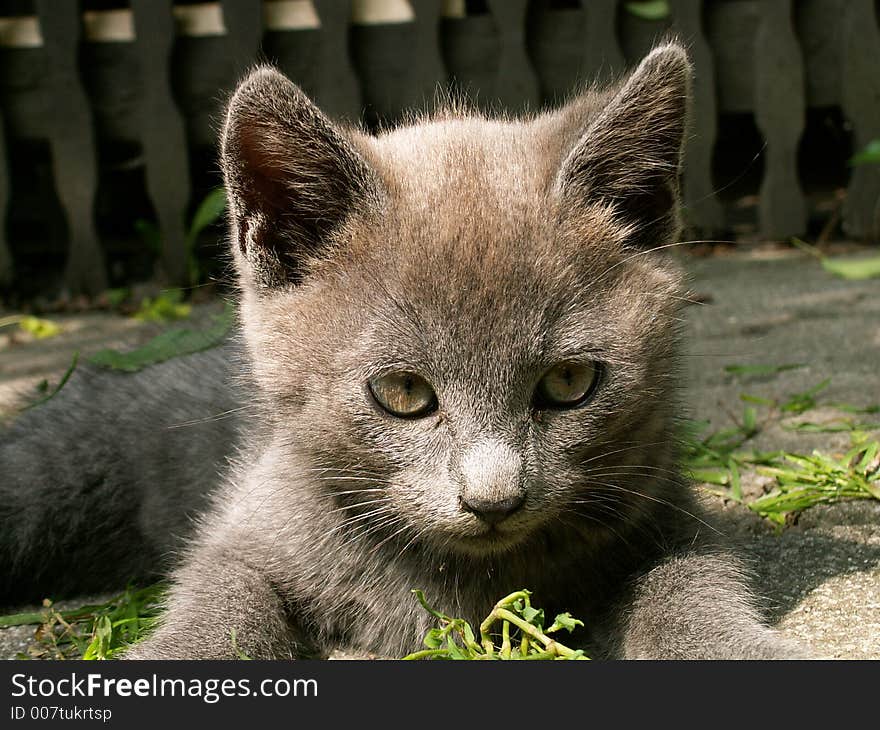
<point x="477" y="252"/>
<point x="98" y="485"/>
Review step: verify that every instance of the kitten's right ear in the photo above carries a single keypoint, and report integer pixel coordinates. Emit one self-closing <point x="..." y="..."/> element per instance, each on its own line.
<point x="292" y="178"/>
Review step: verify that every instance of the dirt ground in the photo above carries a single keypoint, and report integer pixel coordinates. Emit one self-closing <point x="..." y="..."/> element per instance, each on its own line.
<point x="820" y="577"/>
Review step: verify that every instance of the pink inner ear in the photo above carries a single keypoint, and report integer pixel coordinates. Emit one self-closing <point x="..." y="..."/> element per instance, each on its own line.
<point x="264" y="168"/>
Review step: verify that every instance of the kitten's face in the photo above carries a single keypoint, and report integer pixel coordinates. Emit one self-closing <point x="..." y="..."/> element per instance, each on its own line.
<point x="455" y="383"/>
<point x="479" y="349"/>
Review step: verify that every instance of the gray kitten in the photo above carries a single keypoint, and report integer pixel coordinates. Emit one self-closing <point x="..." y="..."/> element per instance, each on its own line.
<point x="461" y="360"/>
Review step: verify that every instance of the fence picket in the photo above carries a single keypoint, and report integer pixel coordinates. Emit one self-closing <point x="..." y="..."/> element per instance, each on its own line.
<point x="243" y="20"/>
<point x="338" y="92"/>
<point x="516" y="86"/>
<point x="703" y="211"/>
<point x="603" y="59"/>
<point x="163" y="135"/>
<point x="779" y="112"/>
<point x="860" y="90"/>
<point x="429" y="74"/>
<point x="73" y="145"/>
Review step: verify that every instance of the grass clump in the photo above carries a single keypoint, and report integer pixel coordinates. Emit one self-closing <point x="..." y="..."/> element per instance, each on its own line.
<point x="718" y="459"/>
<point x="522" y="633"/>
<point x="105" y="630"/>
<point x="97" y="631"/>
<point x="805" y="481"/>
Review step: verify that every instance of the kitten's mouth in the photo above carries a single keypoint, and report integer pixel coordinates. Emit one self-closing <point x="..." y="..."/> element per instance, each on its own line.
<point x="493" y="539"/>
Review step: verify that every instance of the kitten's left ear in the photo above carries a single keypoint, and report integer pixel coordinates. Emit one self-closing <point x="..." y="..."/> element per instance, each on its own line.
<point x="630" y="154"/>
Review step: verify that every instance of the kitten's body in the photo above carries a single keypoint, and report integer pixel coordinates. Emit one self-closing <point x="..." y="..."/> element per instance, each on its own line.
<point x="477" y="254"/>
<point x="98" y="485"/>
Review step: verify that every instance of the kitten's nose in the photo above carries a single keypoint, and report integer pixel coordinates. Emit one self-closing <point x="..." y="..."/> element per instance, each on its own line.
<point x="491" y="480"/>
<point x="493" y="511"/>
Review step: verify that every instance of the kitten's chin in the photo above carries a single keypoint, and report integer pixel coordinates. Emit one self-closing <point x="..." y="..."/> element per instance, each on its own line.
<point x="492" y="541"/>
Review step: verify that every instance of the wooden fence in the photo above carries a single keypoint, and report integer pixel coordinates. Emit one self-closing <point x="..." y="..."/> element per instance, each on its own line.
<point x="98" y="85"/>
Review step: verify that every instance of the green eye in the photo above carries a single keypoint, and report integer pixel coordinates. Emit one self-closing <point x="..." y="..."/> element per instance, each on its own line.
<point x="403" y="394"/>
<point x="567" y="385"/>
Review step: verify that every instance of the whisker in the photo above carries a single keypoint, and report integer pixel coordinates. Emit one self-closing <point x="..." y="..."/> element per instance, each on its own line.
<point x="661" y="501"/>
<point x="633" y="445"/>
<point x="643" y="470"/>
<point x="391" y="537"/>
<point x="411" y="542"/>
<point x="355" y="491"/>
<point x="384" y="500"/>
<point x="210" y="419"/>
<point x="359" y="518"/>
<point x="388" y="522"/>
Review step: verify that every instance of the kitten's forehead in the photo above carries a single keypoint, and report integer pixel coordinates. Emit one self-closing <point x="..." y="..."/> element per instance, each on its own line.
<point x="473" y="237"/>
<point x="466" y="162"/>
<point x="470" y="198"/>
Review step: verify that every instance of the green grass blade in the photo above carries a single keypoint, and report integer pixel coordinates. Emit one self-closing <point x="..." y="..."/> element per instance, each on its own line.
<point x="169" y="344"/>
<point x="853" y="269"/>
<point x="760" y="371"/>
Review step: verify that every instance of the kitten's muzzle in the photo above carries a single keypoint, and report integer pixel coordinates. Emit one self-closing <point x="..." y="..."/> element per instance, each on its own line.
<point x="491" y="480"/>
<point x="493" y="511"/>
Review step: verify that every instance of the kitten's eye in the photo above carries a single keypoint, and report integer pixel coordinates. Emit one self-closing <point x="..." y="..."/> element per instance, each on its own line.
<point x="403" y="394"/>
<point x="567" y="385"/>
